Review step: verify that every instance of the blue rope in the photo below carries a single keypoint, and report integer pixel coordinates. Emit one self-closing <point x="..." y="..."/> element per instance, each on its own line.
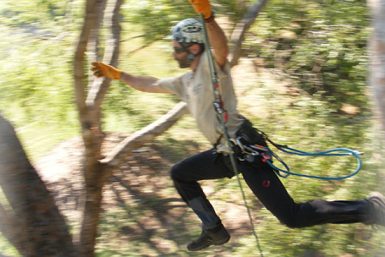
<point x="329" y="153"/>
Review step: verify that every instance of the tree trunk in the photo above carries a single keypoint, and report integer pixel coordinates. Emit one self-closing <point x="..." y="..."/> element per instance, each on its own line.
<point x="377" y="58"/>
<point x="89" y="106"/>
<point x="31" y="222"/>
<point x="116" y="156"/>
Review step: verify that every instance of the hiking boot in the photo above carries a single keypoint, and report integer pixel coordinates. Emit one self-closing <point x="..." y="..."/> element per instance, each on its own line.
<point x="214" y="236"/>
<point x="377" y="201"/>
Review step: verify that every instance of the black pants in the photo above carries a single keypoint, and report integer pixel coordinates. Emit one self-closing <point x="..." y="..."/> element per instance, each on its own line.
<point x="265" y="184"/>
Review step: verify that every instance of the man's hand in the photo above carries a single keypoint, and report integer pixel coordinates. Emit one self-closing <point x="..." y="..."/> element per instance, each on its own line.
<point x="104" y="70"/>
<point x="202" y="7"/>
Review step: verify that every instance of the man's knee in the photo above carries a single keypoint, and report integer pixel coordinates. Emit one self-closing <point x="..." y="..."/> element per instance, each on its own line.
<point x="292" y="217"/>
<point x="176" y="172"/>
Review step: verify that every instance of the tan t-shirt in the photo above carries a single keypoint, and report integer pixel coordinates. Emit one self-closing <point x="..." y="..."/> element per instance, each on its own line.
<point x="195" y="89"/>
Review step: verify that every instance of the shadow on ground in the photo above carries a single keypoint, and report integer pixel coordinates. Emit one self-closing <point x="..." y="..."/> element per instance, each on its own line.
<point x="142" y="213"/>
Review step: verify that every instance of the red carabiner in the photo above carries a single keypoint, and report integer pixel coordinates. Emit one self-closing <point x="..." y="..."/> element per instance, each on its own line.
<point x="265" y="157"/>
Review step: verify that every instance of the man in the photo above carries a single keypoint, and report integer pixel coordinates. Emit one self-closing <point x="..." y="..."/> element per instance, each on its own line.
<point x="194" y="88"/>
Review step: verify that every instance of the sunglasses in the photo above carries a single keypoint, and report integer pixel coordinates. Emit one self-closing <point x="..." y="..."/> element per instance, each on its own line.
<point x="179" y="50"/>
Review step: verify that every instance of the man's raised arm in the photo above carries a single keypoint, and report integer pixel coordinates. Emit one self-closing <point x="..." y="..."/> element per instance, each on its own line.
<point x="217" y="37"/>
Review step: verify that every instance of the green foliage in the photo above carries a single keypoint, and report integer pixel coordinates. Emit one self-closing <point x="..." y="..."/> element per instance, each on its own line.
<point x="36" y="84"/>
<point x="319" y="45"/>
<point x="34" y="15"/>
<point x="157" y="17"/>
<point x="161" y="15"/>
<point x="234" y="10"/>
<point x="7" y="250"/>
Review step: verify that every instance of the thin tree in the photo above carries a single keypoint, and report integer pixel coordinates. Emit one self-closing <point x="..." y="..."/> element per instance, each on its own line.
<point x="89" y="98"/>
<point x="377" y="58"/>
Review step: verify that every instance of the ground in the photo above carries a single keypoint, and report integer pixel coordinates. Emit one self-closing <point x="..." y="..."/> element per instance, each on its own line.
<point x="141" y="191"/>
<point x="141" y="207"/>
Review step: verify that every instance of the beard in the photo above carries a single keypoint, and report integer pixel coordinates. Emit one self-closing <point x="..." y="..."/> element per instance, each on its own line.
<point x="186" y="61"/>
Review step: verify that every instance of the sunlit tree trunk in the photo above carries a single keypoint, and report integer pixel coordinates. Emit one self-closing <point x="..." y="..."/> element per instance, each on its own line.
<point x="377" y="58"/>
<point x="89" y="97"/>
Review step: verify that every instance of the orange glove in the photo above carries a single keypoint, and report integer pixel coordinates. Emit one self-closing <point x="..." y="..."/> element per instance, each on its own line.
<point x="202" y="7"/>
<point x="104" y="70"/>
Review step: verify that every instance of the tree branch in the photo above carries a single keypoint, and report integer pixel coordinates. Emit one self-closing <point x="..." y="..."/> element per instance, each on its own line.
<point x="145" y="135"/>
<point x="99" y="87"/>
<point x="240" y="30"/>
<point x="79" y="62"/>
<point x="93" y="44"/>
<point x="141" y="47"/>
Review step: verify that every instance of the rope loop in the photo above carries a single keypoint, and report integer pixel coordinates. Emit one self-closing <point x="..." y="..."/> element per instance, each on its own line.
<point x="339" y="152"/>
<point x="246" y="152"/>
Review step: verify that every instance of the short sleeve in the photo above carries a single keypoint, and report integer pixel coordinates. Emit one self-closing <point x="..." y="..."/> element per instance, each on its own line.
<point x="174" y="84"/>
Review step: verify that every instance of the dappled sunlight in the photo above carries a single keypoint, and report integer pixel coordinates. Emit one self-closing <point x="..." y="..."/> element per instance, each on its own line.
<point x="301" y="79"/>
<point x="142" y="211"/>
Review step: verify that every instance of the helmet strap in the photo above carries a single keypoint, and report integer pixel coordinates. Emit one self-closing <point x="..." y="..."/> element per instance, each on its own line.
<point x="191" y="57"/>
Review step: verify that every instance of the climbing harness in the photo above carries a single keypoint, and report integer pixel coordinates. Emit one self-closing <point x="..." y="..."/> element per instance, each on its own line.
<point x="248" y="152"/>
<point x="222" y="116"/>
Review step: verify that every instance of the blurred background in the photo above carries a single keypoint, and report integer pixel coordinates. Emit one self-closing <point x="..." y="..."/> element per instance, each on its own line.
<point x="301" y="78"/>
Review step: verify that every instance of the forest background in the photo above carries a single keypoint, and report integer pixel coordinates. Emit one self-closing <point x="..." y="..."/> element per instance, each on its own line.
<point x="302" y="79"/>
